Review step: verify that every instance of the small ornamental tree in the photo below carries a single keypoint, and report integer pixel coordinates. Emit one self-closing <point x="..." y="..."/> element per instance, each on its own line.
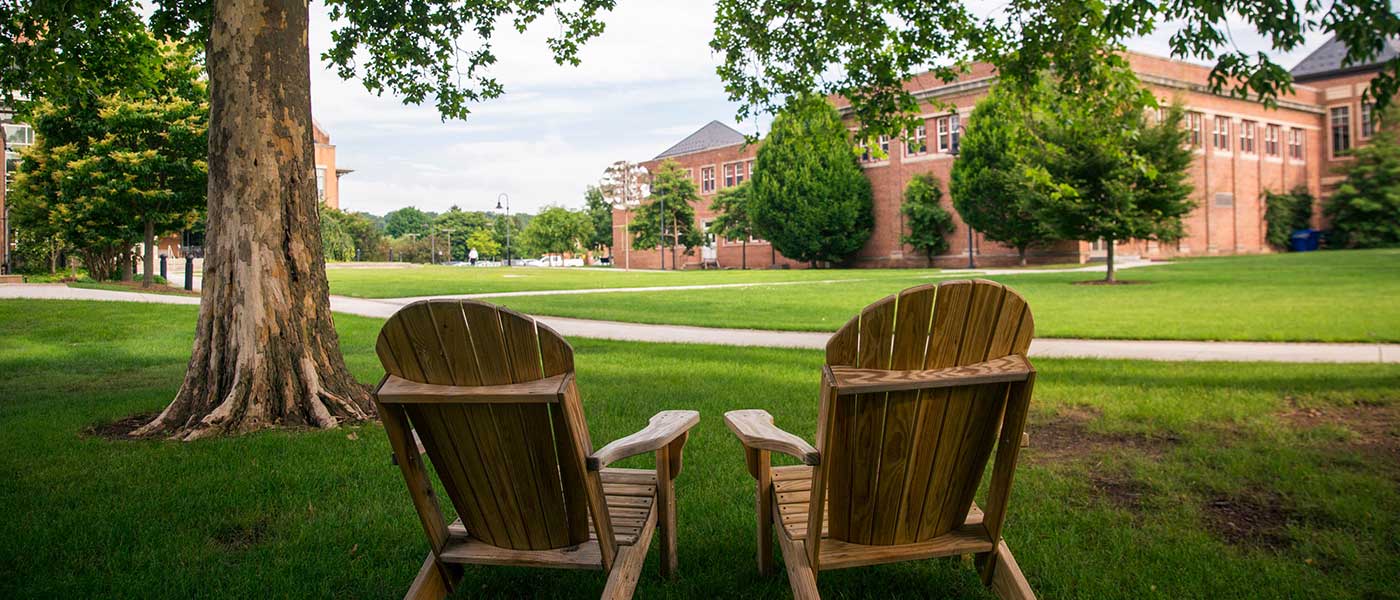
<point x="1364" y="212"/>
<point x="484" y="243"/>
<point x="927" y="222"/>
<point x="335" y="235"/>
<point x="674" y="192"/>
<point x="733" y="219"/>
<point x="1106" y="172"/>
<point x="990" y="187"/>
<point x="557" y="230"/>
<point x="809" y="196"/>
<point x="1285" y="213"/>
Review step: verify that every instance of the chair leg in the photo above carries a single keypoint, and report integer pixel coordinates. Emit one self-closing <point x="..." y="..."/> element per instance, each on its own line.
<point x="666" y="512"/>
<point x="763" y="498"/>
<point x="801" y="577"/>
<point x="1001" y="573"/>
<point x="434" y="581"/>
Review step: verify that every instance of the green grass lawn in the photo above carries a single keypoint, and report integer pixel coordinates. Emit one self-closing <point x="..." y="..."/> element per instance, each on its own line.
<point x="1319" y="296"/>
<point x="1134" y="471"/>
<point x="437" y="281"/>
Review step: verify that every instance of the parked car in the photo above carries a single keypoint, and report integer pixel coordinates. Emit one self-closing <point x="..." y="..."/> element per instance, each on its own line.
<point x="554" y="260"/>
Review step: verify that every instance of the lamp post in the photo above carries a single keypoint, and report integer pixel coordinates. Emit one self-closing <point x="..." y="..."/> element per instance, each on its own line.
<point x="504" y="199"/>
<point x="953" y="149"/>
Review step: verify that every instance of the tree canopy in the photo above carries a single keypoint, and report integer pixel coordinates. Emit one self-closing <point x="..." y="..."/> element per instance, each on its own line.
<point x="733" y="219"/>
<point x="809" y="196"/>
<point x="407" y="221"/>
<point x="673" y="189"/>
<point x="556" y="230"/>
<point x="990" y="186"/>
<point x="774" y="49"/>
<point x="599" y="212"/>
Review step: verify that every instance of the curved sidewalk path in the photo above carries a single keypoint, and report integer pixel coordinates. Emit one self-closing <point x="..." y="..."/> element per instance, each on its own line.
<point x="637" y="332"/>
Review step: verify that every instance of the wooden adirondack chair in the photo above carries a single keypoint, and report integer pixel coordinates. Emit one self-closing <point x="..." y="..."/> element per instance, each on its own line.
<point x="916" y="391"/>
<point x="489" y="395"/>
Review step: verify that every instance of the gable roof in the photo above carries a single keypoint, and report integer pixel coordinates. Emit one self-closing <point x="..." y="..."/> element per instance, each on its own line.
<point x="713" y="135"/>
<point x="1331" y="57"/>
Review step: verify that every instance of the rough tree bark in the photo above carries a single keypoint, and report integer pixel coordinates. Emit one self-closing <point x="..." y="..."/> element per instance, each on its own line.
<point x="1109" y="275"/>
<point x="265" y="352"/>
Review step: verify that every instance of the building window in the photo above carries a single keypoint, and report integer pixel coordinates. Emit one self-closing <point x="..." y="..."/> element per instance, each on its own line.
<point x="729" y="175"/>
<point x="18" y="134"/>
<point x="321" y="183"/>
<point x="1271" y="140"/>
<point x="947" y="133"/>
<point x="1341" y="130"/>
<point x="885" y="146"/>
<point x="1247" y="137"/>
<point x="1368" y="122"/>
<point x="1295" y="143"/>
<point x="1220" y="138"/>
<point x="736" y="172"/>
<point x="749" y="169"/>
<point x="917" y="141"/>
<point x="1193" y="128"/>
<point x="707" y="180"/>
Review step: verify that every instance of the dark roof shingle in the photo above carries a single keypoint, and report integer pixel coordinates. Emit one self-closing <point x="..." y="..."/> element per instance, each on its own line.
<point x="712" y="135"/>
<point x="1330" y="58"/>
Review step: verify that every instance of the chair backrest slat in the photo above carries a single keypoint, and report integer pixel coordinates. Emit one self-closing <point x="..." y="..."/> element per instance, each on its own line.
<point x="902" y="467"/>
<point x="512" y="470"/>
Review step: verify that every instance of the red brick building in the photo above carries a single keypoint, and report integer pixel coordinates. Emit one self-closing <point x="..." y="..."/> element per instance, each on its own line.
<point x="1242" y="149"/>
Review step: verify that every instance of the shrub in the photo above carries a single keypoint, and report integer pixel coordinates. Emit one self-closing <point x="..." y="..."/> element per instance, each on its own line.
<point x="1285" y="213"/>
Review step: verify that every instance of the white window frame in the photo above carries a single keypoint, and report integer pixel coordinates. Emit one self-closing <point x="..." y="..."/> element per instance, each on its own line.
<point x="707" y="179"/>
<point x="1247" y="136"/>
<point x="1333" y="122"/>
<point x="917" y="142"/>
<point x="729" y="169"/>
<point x="1271" y="139"/>
<point x="320" y="183"/>
<point x="1368" y="120"/>
<point x="1220" y="136"/>
<point x="1194" y="129"/>
<point x="1295" y="143"/>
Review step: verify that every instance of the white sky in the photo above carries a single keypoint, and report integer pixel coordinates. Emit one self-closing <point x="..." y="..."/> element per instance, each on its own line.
<point x="648" y="81"/>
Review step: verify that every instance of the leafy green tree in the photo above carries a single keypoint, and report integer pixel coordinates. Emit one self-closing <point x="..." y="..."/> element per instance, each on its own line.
<point x="1107" y="172"/>
<point x="557" y="230"/>
<point x="929" y="224"/>
<point x="733" y="219"/>
<point x="809" y="197"/>
<point x="407" y="221"/>
<point x="1286" y="212"/>
<point x="775" y="49"/>
<point x="1364" y="212"/>
<point x="266" y="352"/>
<point x="335" y="235"/>
<point x="599" y="213"/>
<point x="672" y="191"/>
<point x="367" y="234"/>
<point x="484" y="243"/>
<point x="456" y="225"/>
<point x="989" y="185"/>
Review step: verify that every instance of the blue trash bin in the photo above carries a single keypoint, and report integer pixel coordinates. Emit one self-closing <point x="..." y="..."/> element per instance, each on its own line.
<point x="1305" y="240"/>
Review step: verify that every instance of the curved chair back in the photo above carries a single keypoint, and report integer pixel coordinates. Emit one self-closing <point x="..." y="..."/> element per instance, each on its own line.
<point x="902" y="467"/>
<point x="512" y="467"/>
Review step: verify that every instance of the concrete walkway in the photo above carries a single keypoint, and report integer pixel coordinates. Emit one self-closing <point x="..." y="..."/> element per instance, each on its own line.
<point x="637" y="332"/>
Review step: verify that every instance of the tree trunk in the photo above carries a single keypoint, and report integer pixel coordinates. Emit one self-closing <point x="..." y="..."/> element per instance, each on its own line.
<point x="1021" y="254"/>
<point x="148" y="267"/>
<point x="266" y="351"/>
<point x="124" y="264"/>
<point x="1110" y="276"/>
<point x="744" y="256"/>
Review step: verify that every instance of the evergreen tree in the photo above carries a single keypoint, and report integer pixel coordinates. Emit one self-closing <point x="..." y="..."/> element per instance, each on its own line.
<point x="1364" y="212"/>
<point x="990" y="188"/>
<point x="599" y="213"/>
<point x="809" y="196"/>
<point x="733" y="218"/>
<point x="928" y="223"/>
<point x="673" y="191"/>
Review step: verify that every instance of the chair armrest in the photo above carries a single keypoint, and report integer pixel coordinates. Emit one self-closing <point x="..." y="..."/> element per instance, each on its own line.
<point x="663" y="429"/>
<point x="397" y="390"/>
<point x="755" y="429"/>
<point x="850" y="380"/>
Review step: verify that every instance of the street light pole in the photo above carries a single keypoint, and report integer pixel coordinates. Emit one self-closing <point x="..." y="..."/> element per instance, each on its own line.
<point x="503" y="198"/>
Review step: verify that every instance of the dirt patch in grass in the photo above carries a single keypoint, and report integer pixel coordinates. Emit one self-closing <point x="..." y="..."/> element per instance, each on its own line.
<point x="135" y="286"/>
<point x="1120" y="490"/>
<point x="120" y="429"/>
<point x="1375" y="428"/>
<point x="241" y="536"/>
<point x="1256" y="520"/>
<point x="1066" y="437"/>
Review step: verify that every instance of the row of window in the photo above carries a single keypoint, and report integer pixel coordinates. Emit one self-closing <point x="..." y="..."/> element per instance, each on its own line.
<point x="946" y="132"/>
<point x="1222" y="140"/>
<point x="735" y="173"/>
